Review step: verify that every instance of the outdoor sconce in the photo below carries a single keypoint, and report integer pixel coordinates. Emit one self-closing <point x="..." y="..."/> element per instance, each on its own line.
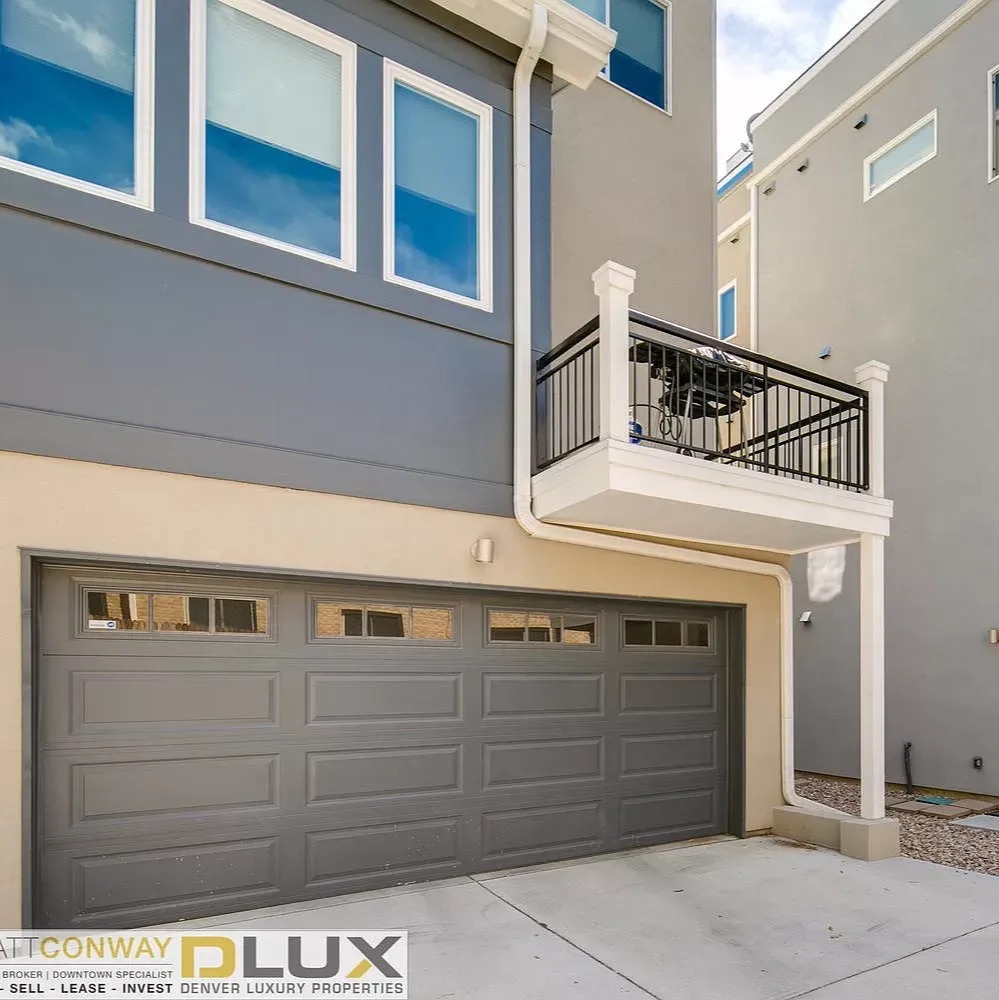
<point x="994" y="636"/>
<point x="482" y="550"/>
<point x="806" y="618"/>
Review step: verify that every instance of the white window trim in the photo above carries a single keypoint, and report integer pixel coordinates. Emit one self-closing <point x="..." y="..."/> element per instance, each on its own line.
<point x="993" y="119"/>
<point x="667" y="6"/>
<point x="145" y="48"/>
<point x="393" y="73"/>
<point x="347" y="51"/>
<point x="732" y="286"/>
<point x="890" y="145"/>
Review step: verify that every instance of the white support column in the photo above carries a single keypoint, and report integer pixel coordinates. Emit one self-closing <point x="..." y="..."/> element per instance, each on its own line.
<point x="614" y="284"/>
<point x="872" y="677"/>
<point x="873" y="377"/>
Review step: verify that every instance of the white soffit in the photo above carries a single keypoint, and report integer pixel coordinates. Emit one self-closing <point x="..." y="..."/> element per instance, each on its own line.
<point x="577" y="46"/>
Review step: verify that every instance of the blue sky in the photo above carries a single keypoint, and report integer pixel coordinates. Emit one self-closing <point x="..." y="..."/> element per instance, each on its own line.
<point x="763" y="45"/>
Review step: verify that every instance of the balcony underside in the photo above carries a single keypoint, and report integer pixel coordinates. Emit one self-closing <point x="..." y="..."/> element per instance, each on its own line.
<point x="627" y="487"/>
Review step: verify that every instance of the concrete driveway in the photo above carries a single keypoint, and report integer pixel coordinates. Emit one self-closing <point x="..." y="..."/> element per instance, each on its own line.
<point x="739" y="920"/>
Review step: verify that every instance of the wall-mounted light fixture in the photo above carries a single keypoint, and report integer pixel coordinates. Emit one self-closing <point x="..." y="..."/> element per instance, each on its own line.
<point x="806" y="618"/>
<point x="994" y="636"/>
<point x="482" y="550"/>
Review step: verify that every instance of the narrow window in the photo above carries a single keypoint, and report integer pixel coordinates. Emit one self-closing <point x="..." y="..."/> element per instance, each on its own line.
<point x="900" y="157"/>
<point x="994" y="124"/>
<point x="640" y="58"/>
<point x="438" y="195"/>
<point x="337" y="620"/>
<point x="520" y="626"/>
<point x="272" y="130"/>
<point x="75" y="92"/>
<point x="727" y="321"/>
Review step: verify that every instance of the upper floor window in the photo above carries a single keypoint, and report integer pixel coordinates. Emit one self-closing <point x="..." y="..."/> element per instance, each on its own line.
<point x="727" y="321"/>
<point x="272" y="129"/>
<point x="76" y="94"/>
<point x="994" y="124"/>
<point x="438" y="190"/>
<point x="898" y="158"/>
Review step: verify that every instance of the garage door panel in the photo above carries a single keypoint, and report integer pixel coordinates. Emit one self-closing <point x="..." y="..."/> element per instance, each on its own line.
<point x="379" y="774"/>
<point x="670" y="815"/>
<point x="543" y="762"/>
<point x="515" y="833"/>
<point x="336" y="698"/>
<point x="340" y="857"/>
<point x="516" y="695"/>
<point x="667" y="753"/>
<point x="183" y="776"/>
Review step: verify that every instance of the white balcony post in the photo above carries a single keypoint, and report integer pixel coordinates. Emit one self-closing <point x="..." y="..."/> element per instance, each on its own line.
<point x="873" y="377"/>
<point x="614" y="284"/>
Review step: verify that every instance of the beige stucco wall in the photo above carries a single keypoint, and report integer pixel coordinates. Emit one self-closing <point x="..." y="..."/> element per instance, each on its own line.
<point x="130" y="514"/>
<point x="633" y="184"/>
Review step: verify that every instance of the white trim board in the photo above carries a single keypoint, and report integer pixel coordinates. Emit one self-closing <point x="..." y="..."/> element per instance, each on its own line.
<point x="143" y="124"/>
<point x="944" y="28"/>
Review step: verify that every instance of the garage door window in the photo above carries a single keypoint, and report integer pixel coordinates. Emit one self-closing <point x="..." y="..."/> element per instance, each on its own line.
<point x="175" y="614"/>
<point x="665" y="633"/>
<point x="540" y="626"/>
<point x="338" y="620"/>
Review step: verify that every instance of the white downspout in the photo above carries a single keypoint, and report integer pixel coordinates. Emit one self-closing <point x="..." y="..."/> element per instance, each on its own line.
<point x="523" y="398"/>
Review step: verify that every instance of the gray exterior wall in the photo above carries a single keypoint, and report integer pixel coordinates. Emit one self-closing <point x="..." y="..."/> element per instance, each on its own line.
<point x="135" y="338"/>
<point x="633" y="184"/>
<point x="907" y="278"/>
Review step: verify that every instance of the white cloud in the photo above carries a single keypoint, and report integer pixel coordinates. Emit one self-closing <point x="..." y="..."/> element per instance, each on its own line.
<point x="88" y="37"/>
<point x="16" y="133"/>
<point x="763" y="47"/>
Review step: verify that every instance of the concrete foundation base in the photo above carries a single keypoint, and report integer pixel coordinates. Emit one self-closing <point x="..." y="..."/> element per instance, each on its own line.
<point x="869" y="839"/>
<point x="810" y="826"/>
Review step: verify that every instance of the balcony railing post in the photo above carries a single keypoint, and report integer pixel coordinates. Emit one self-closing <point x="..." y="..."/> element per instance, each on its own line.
<point x="872" y="378"/>
<point x="614" y="284"/>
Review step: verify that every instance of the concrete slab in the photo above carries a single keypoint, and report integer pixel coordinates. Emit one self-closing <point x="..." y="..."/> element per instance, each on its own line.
<point x="976" y="805"/>
<point x="910" y="807"/>
<point x="946" y="812"/>
<point x="979" y="822"/>
<point x="756" y="919"/>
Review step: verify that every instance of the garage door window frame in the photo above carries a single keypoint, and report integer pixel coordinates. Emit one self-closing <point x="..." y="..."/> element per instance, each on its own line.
<point x="377" y="640"/>
<point x="527" y="643"/>
<point x="685" y="648"/>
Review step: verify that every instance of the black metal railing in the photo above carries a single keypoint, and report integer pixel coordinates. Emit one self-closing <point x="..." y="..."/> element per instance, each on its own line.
<point x="692" y="395"/>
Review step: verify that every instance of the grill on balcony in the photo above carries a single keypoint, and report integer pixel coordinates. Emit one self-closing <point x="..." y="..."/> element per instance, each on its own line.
<point x="689" y="395"/>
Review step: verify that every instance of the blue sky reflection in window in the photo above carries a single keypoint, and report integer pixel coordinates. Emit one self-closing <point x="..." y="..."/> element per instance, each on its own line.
<point x="67" y="88"/>
<point x="436" y="193"/>
<point x="638" y="62"/>
<point x="273" y="135"/>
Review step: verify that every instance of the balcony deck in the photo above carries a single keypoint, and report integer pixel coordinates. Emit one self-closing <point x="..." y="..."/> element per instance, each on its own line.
<point x="646" y="427"/>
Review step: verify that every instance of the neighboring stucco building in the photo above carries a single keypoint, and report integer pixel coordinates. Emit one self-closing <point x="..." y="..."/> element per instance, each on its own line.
<point x="877" y="208"/>
<point x="734" y="250"/>
<point x="319" y="570"/>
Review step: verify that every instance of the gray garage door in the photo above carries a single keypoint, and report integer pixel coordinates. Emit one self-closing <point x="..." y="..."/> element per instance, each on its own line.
<point x="209" y="745"/>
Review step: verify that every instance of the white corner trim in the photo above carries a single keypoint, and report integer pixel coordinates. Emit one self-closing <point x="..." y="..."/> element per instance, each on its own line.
<point x="393" y="73"/>
<point x="891" y="144"/>
<point x="347" y="51"/>
<point x="992" y="166"/>
<point x="732" y="286"/>
<point x="944" y="28"/>
<point x="143" y="125"/>
<point x="827" y="57"/>
<point x="726" y="234"/>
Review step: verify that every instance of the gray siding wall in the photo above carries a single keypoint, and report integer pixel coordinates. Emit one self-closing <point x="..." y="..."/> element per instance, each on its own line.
<point x="635" y="185"/>
<point x="909" y="279"/>
<point x="135" y="338"/>
<point x="895" y="31"/>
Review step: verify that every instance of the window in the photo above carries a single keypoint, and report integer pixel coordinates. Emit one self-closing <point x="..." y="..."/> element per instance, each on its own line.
<point x="171" y="613"/>
<point x="76" y="94"/>
<point x="905" y="153"/>
<point x="540" y="626"/>
<point x="994" y="124"/>
<point x="345" y="620"/>
<point x="727" y="316"/>
<point x="666" y="633"/>
<point x="641" y="59"/>
<point x="438" y="189"/>
<point x="272" y="129"/>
